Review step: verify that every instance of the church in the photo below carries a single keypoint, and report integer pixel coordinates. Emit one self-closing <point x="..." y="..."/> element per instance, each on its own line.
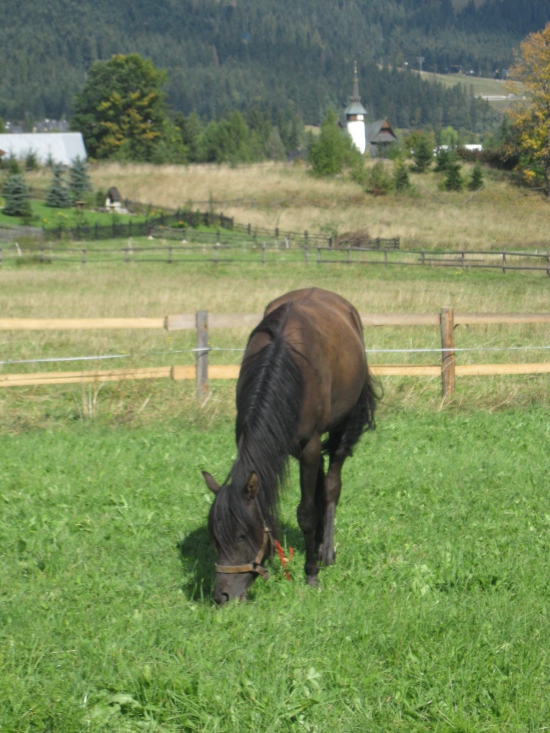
<point x="370" y="139"/>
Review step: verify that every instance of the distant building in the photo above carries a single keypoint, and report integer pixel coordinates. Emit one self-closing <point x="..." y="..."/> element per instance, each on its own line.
<point x="51" y="126"/>
<point x="56" y="147"/>
<point x="355" y="116"/>
<point x="379" y="137"/>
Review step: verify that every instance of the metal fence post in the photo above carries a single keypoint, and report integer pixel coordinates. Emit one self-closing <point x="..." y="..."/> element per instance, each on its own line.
<point x="447" y="321"/>
<point x="202" y="353"/>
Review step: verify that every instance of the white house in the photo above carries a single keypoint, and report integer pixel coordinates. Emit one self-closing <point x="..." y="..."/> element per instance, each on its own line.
<point x="59" y="147"/>
<point x="355" y="116"/>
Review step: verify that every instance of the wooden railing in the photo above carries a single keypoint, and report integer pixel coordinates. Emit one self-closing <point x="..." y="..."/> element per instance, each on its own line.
<point x="202" y="322"/>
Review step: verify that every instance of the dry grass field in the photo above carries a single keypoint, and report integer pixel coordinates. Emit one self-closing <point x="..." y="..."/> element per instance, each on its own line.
<point x="286" y="196"/>
<point x="155" y="290"/>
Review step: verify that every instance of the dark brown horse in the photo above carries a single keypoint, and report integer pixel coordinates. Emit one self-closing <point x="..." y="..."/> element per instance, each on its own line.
<point x="303" y="375"/>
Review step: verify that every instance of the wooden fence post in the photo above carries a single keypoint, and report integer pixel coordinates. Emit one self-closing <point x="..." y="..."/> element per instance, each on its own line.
<point x="447" y="321"/>
<point x="202" y="353"/>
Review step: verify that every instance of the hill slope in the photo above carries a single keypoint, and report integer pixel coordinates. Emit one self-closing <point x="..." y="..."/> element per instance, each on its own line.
<point x="232" y="53"/>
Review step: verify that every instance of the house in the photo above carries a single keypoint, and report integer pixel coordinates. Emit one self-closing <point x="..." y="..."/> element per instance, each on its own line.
<point x="54" y="147"/>
<point x="379" y="137"/>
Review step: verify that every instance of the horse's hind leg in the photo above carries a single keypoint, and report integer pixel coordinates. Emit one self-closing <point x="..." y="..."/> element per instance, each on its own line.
<point x="333" y="486"/>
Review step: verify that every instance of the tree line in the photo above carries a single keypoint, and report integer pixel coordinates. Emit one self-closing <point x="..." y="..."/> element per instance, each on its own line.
<point x="224" y="55"/>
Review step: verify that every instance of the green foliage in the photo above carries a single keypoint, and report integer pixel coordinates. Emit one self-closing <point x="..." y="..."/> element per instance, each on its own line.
<point x="12" y="164"/>
<point x="441" y="575"/>
<point x="31" y="161"/>
<point x="17" y="196"/>
<point x="2" y="125"/>
<point x="453" y="180"/>
<point x="121" y="110"/>
<point x="333" y="150"/>
<point x="448" y="137"/>
<point x="421" y="146"/>
<point x="80" y="182"/>
<point x="476" y="181"/>
<point x="58" y="196"/>
<point x="379" y="181"/>
<point x="442" y="158"/>
<point x="401" y="181"/>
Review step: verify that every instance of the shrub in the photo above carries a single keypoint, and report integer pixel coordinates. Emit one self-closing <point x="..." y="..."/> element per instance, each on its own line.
<point x="379" y="181"/>
<point x="421" y="146"/>
<point x="79" y="180"/>
<point x="401" y="181"/>
<point x="476" y="181"/>
<point x="58" y="196"/>
<point x="453" y="180"/>
<point x="31" y="161"/>
<point x="17" y="195"/>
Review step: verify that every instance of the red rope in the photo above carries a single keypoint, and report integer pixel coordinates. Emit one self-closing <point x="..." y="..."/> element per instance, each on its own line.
<point x="284" y="560"/>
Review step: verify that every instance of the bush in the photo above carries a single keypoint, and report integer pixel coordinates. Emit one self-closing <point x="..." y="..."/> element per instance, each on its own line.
<point x="442" y="159"/>
<point x="401" y="181"/>
<point x="31" y="161"/>
<point x="421" y="146"/>
<point x="379" y="181"/>
<point x="476" y="181"/>
<point x="453" y="180"/>
<point x="58" y="196"/>
<point x="79" y="180"/>
<point x="17" y="195"/>
<point x="333" y="150"/>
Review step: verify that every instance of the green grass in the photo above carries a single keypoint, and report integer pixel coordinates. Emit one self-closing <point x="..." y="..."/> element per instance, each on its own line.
<point x="50" y="218"/>
<point x="434" y="618"/>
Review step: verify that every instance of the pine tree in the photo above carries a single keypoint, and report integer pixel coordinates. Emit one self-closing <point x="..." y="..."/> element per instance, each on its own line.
<point x="31" y="161"/>
<point x="453" y="179"/>
<point x="379" y="182"/>
<point x="17" y="196"/>
<point x="476" y="181"/>
<point x="442" y="160"/>
<point x="58" y="196"/>
<point x="422" y="151"/>
<point x="79" y="180"/>
<point x="401" y="181"/>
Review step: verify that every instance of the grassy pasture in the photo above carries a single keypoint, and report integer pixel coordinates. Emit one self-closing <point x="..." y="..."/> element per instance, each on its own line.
<point x="434" y="618"/>
<point x="282" y="195"/>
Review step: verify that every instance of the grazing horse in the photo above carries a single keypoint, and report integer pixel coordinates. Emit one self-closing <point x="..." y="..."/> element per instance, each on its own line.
<point x="304" y="374"/>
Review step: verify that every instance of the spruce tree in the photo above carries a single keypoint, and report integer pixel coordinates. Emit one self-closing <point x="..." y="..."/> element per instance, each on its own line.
<point x="401" y="181"/>
<point x="31" y="161"/>
<point x="422" y="153"/>
<point x="453" y="179"/>
<point x="442" y="160"/>
<point x="79" y="180"/>
<point x="58" y="196"/>
<point x="17" y="196"/>
<point x="476" y="181"/>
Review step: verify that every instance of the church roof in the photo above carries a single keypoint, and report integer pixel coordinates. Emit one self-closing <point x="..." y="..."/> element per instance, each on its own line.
<point x="355" y="107"/>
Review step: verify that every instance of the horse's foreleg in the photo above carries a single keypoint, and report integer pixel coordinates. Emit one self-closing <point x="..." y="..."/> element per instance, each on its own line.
<point x="310" y="462"/>
<point x="333" y="486"/>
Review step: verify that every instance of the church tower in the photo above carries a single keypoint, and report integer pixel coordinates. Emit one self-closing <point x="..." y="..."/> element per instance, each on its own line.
<point x="355" y="116"/>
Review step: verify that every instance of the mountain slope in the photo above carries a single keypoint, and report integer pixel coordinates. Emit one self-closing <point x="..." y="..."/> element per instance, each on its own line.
<point x="231" y="53"/>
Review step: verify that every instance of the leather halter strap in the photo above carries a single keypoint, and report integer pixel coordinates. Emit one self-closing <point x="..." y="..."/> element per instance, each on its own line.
<point x="256" y="565"/>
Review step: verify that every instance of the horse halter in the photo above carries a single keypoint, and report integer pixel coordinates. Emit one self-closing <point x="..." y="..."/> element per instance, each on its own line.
<point x="256" y="565"/>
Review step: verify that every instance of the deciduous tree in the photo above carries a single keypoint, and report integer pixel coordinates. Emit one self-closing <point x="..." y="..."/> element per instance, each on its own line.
<point x="531" y="121"/>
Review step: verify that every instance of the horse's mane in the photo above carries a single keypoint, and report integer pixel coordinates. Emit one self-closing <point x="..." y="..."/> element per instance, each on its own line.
<point x="269" y="400"/>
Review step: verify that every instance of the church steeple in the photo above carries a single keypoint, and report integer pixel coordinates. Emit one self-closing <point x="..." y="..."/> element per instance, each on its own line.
<point x="355" y="96"/>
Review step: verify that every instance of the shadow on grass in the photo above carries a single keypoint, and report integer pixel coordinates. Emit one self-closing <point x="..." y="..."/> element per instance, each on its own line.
<point x="198" y="559"/>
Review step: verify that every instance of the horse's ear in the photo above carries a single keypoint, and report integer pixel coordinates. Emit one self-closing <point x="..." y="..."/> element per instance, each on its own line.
<point x="252" y="486"/>
<point x="211" y="482"/>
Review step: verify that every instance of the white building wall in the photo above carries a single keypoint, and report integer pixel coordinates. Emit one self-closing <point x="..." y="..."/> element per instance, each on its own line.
<point x="356" y="129"/>
<point x="62" y="147"/>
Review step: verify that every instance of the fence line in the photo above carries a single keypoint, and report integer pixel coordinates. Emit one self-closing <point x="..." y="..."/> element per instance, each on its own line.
<point x="202" y="321"/>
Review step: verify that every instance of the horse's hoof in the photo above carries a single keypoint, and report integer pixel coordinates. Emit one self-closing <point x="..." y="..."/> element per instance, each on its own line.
<point x="327" y="556"/>
<point x="312" y="580"/>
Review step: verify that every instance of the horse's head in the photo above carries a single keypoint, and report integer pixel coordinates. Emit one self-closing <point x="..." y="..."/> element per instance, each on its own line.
<point x="241" y="539"/>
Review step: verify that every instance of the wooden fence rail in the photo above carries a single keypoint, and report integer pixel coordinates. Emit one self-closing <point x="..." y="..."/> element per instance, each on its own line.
<point x="202" y="322"/>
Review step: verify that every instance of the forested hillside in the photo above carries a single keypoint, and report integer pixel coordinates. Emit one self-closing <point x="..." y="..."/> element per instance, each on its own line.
<point x="227" y="54"/>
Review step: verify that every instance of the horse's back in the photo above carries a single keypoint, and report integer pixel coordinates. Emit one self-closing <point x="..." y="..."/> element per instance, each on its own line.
<point x="325" y="329"/>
